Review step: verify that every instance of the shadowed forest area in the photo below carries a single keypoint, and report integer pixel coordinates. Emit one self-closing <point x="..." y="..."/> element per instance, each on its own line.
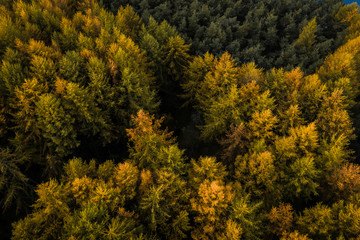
<point x="179" y="119"/>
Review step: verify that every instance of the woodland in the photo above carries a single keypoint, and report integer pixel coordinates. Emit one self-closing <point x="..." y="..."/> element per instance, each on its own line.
<point x="154" y="119"/>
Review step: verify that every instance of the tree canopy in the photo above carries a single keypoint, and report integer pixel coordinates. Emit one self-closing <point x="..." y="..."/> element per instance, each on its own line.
<point x="179" y="120"/>
<point x="271" y="33"/>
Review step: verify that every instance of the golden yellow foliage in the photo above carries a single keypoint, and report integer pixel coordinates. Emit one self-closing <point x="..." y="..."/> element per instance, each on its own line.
<point x="125" y="178"/>
<point x="333" y="118"/>
<point x="60" y="86"/>
<point x="146" y="181"/>
<point x="344" y="181"/>
<point x="281" y="219"/>
<point x="210" y="205"/>
<point x="306" y="137"/>
<point x="307" y="36"/>
<point x="263" y="124"/>
<point x="82" y="189"/>
<point x="294" y="236"/>
<point x="146" y="124"/>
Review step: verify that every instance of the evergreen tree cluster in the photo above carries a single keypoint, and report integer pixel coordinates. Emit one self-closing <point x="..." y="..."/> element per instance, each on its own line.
<point x="71" y="76"/>
<point x="271" y="33"/>
<point x="114" y="126"/>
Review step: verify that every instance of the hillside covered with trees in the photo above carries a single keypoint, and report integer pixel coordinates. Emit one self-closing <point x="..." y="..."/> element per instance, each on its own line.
<point x="179" y="120"/>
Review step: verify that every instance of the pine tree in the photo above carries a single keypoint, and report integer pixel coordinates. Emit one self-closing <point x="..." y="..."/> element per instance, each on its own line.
<point x="27" y="132"/>
<point x="333" y="119"/>
<point x="176" y="56"/>
<point x="195" y="73"/>
<point x="128" y="22"/>
<point x="71" y="68"/>
<point x="210" y="205"/>
<point x="317" y="222"/>
<point x="281" y="219"/>
<point x="84" y="205"/>
<point x="247" y="214"/>
<point x="347" y="219"/>
<point x="9" y="30"/>
<point x="153" y="147"/>
<point x="55" y="125"/>
<point x="13" y="182"/>
<point x="262" y="125"/>
<point x="256" y="172"/>
<point x="206" y="168"/>
<point x="344" y="182"/>
<point x="307" y="37"/>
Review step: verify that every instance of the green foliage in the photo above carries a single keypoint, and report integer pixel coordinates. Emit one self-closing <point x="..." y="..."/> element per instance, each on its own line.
<point x="206" y="168"/>
<point x="151" y="203"/>
<point x="76" y="168"/>
<point x="93" y="221"/>
<point x="128" y="22"/>
<point x="317" y="221"/>
<point x="342" y="63"/>
<point x="332" y="118"/>
<point x="349" y="14"/>
<point x="262" y="124"/>
<point x="83" y="205"/>
<point x="153" y="147"/>
<point x="55" y="125"/>
<point x="163" y="205"/>
<point x="245" y="212"/>
<point x="225" y="93"/>
<point x="71" y="67"/>
<point x="257" y="174"/>
<point x="27" y="132"/>
<point x="70" y="71"/>
<point x="43" y="69"/>
<point x="273" y="148"/>
<point x="303" y="178"/>
<point x="335" y="152"/>
<point x="176" y="55"/>
<point x="347" y="216"/>
<point x="8" y="30"/>
<point x="340" y="221"/>
<point x="163" y="190"/>
<point x="269" y="33"/>
<point x="307" y="37"/>
<point x="11" y="76"/>
<point x="13" y="183"/>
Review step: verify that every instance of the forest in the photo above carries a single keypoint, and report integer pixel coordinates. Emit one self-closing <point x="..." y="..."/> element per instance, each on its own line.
<point x="154" y="119"/>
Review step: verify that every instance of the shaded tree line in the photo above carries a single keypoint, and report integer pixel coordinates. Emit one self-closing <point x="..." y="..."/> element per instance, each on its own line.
<point x="271" y="33"/>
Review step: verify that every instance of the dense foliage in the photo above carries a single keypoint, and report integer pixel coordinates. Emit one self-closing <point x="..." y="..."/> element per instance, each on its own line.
<point x="117" y="128"/>
<point x="271" y="33"/>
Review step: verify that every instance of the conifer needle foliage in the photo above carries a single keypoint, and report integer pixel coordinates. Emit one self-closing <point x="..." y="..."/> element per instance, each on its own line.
<point x="242" y="125"/>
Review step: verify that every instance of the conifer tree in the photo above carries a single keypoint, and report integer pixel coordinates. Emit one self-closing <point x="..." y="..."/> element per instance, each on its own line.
<point x="153" y="147"/>
<point x="13" y="183"/>
<point x="281" y="219"/>
<point x="162" y="201"/>
<point x="332" y="118"/>
<point x="210" y="205"/>
<point x="344" y="181"/>
<point x="307" y="37"/>
<point x="317" y="222"/>
<point x="84" y="204"/>
<point x="272" y="149"/>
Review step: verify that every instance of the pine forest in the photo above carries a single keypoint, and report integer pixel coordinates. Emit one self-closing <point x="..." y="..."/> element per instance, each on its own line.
<point x="181" y="119"/>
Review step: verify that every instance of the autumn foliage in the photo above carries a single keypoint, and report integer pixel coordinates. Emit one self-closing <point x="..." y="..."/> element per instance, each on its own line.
<point x="112" y="128"/>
